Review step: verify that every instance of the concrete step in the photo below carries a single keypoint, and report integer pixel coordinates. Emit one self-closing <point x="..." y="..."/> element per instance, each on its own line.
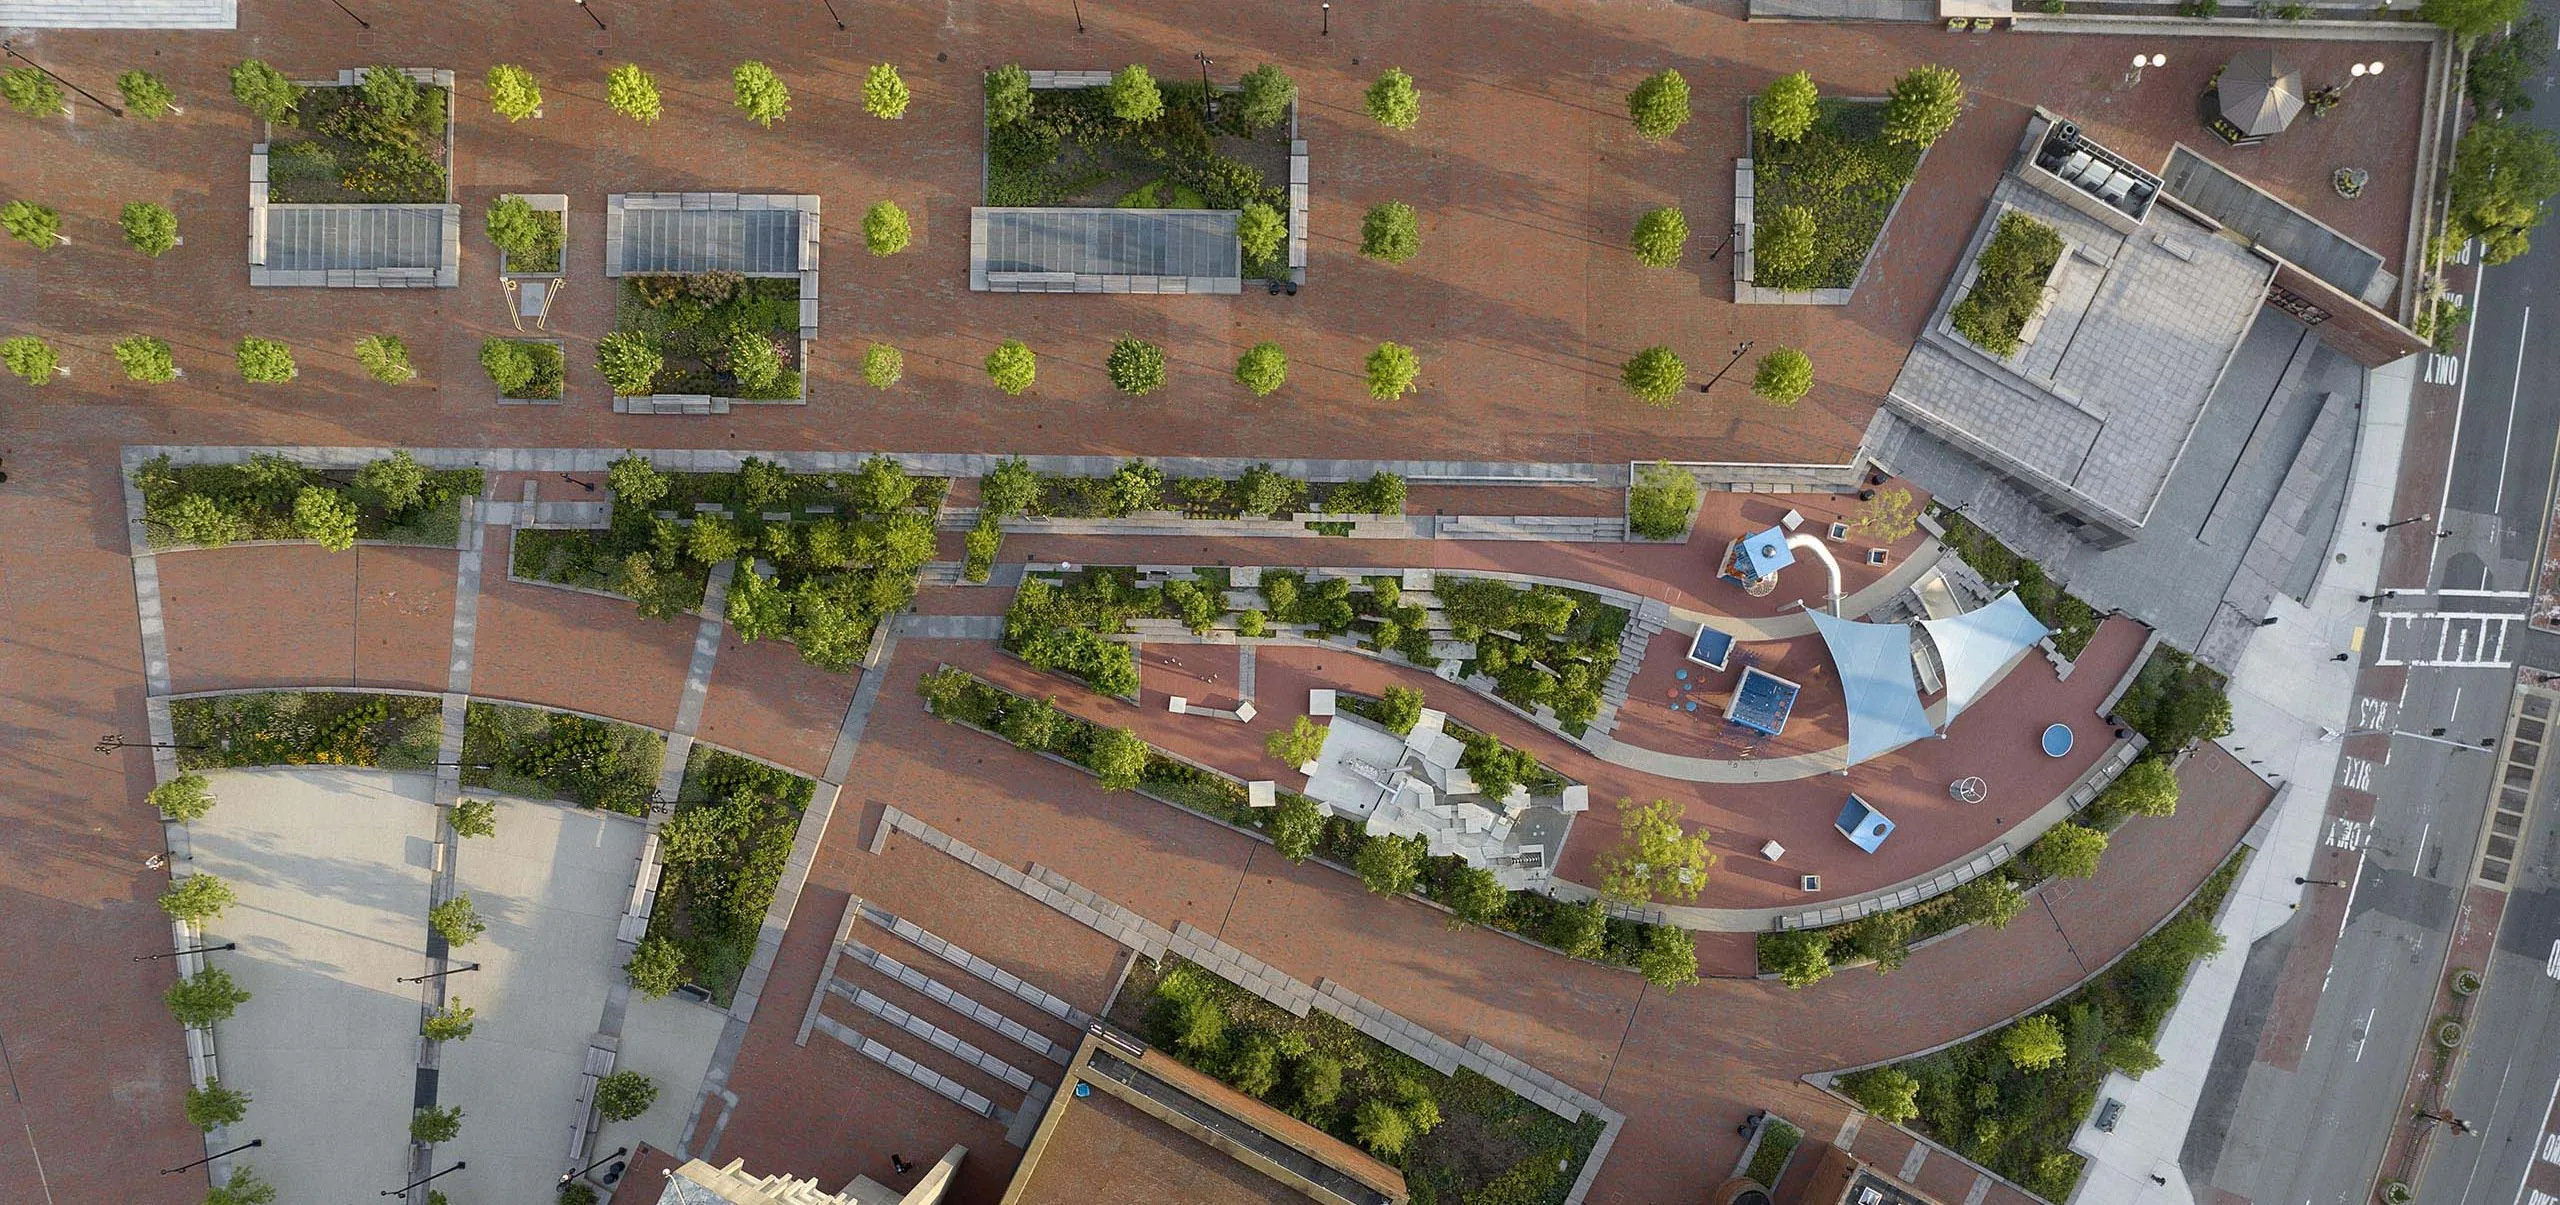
<point x="961" y="1005"/>
<point x="941" y="1085"/>
<point x="933" y="1035"/>
<point x="957" y="518"/>
<point x="979" y="968"/>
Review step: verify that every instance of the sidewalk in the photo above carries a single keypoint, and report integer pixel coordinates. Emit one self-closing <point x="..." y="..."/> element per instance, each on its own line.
<point x="2285" y="695"/>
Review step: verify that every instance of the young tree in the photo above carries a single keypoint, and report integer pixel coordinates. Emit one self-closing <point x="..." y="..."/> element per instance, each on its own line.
<point x="1389" y="233"/>
<point x="1786" y="108"/>
<point x="1654" y="375"/>
<point x="2146" y="788"/>
<point x="205" y="997"/>
<point x="201" y="521"/>
<point x="513" y="92"/>
<point x="713" y="539"/>
<point x="1661" y="501"/>
<point x="184" y="798"/>
<point x="1012" y="366"/>
<point x="1133" y="95"/>
<point x="243" y="1188"/>
<point x="884" y="95"/>
<point x="2472" y="18"/>
<point x="1008" y="489"/>
<point x="146" y="96"/>
<point x="2034" y="1043"/>
<point x="1297" y="824"/>
<point x="1394" y="101"/>
<point x="633" y="93"/>
<point x="755" y="359"/>
<point x="1260" y="232"/>
<point x="510" y="365"/>
<point x="1029" y="723"/>
<point x="1889" y="1093"/>
<point x="1381" y="1128"/>
<point x="2068" y="851"/>
<point x="517" y="229"/>
<point x="1119" y="759"/>
<point x="2504" y="173"/>
<point x="1389" y="865"/>
<point x="385" y="358"/>
<point x="457" y="920"/>
<point x="656" y="967"/>
<point x="264" y="361"/>
<point x="1660" y="105"/>
<point x="1884" y="938"/>
<point x="1660" y="236"/>
<point x="1654" y="858"/>
<point x="324" y="515"/>
<point x="31" y="358"/>
<point x="1783" y="376"/>
<point x="146" y="359"/>
<point x="1925" y="102"/>
<point x="1476" y="896"/>
<point x="624" y="1095"/>
<point x="452" y="1023"/>
<point x="884" y="228"/>
<point x="1799" y="957"/>
<point x="475" y="818"/>
<point x="391" y="94"/>
<point x="148" y="228"/>
<point x="1297" y="745"/>
<point x="265" y="92"/>
<point x="761" y="95"/>
<point x="1262" y="368"/>
<point x="1392" y="369"/>
<point x="1008" y="95"/>
<point x="197" y="898"/>
<point x="1789" y="244"/>
<point x="431" y="1125"/>
<point x="1136" y="367"/>
<point x="1265" y="96"/>
<point x="630" y="362"/>
<point x="635" y="481"/>
<point x="35" y="225"/>
<point x="1668" y="958"/>
<point x="882" y="365"/>
<point x="1990" y="900"/>
<point x="31" y="92"/>
<point x="213" y="1106"/>
<point x="1399" y="709"/>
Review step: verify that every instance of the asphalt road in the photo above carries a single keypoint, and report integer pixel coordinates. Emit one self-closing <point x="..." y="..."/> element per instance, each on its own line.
<point x="2513" y="1070"/>
<point x="2313" y="1135"/>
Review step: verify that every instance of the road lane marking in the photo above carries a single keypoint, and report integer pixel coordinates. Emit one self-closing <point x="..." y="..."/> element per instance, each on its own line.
<point x="2461" y="393"/>
<point x="2512" y="390"/>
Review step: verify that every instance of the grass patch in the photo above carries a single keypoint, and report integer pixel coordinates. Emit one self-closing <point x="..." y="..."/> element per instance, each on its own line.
<point x="724" y="852"/>
<point x="2019" y="1123"/>
<point x="1843" y="171"/>
<point x="1490" y="1143"/>
<point x="2073" y="621"/>
<point x="542" y="754"/>
<point x="1778" y="1141"/>
<point x="306" y="728"/>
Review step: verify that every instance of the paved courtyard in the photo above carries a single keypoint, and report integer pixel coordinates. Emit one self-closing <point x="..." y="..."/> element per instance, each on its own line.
<point x="331" y="867"/>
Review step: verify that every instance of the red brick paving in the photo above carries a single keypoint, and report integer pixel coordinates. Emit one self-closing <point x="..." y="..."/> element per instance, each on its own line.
<point x="1521" y="306"/>
<point x="1819" y="722"/>
<point x="560" y="648"/>
<point x="267" y="616"/>
<point x="766" y="701"/>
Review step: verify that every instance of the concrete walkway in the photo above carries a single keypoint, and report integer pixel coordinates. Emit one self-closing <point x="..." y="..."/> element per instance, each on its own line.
<point x="2285" y="693"/>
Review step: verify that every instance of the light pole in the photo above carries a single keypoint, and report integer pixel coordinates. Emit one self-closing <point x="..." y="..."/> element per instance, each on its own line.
<point x="1725" y="242"/>
<point x="591" y="15"/>
<point x="115" y="740"/>
<point x="2372" y="597"/>
<point x="2359" y="71"/>
<point x="2300" y="881"/>
<point x="1326" y="31"/>
<point x="228" y="945"/>
<point x="351" y="13"/>
<point x="458" y="1165"/>
<point x="1079" y="11"/>
<point x="468" y="966"/>
<point x="566" y="1177"/>
<point x="1739" y="349"/>
<point x="2140" y="61"/>
<point x="2402" y="522"/>
<point x="12" y="52"/>
<point x="831" y="13"/>
<point x="590" y="486"/>
<point x="254" y="1142"/>
<point x="1208" y="107"/>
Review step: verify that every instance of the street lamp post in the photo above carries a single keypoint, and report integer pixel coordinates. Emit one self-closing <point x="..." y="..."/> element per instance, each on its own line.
<point x="115" y="740"/>
<point x="468" y="966"/>
<point x="591" y="14"/>
<point x="254" y="1142"/>
<point x="1725" y="242"/>
<point x="1739" y="349"/>
<point x="1208" y="107"/>
<point x="2140" y="61"/>
<point x="1078" y="7"/>
<point x="566" y="1177"/>
<point x="590" y="486"/>
<point x="831" y="13"/>
<point x="12" y="52"/>
<point x="228" y="945"/>
<point x="2359" y="71"/>
<point x="1326" y="31"/>
<point x="2402" y="522"/>
<point x="458" y="1165"/>
<point x="2300" y="881"/>
<point x="352" y="14"/>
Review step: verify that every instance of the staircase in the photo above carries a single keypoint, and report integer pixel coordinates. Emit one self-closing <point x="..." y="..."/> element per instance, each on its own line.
<point x="955" y="1024"/>
<point x="1648" y="620"/>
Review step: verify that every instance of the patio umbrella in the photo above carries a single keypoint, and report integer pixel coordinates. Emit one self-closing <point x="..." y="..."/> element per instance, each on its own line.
<point x="2259" y="95"/>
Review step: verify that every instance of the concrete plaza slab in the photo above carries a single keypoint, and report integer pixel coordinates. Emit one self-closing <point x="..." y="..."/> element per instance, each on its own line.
<point x="331" y="866"/>
<point x="551" y="885"/>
